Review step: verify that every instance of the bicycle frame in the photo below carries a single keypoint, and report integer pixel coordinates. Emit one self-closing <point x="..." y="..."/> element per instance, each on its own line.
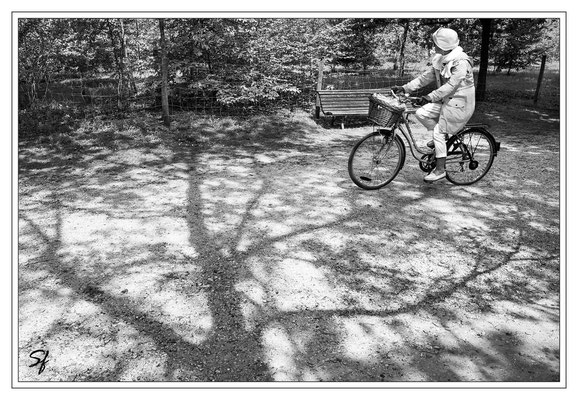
<point x="403" y="126"/>
<point x="405" y="129"/>
<point x="428" y="156"/>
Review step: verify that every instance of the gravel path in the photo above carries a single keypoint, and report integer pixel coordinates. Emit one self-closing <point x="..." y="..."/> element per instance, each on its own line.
<point x="239" y="250"/>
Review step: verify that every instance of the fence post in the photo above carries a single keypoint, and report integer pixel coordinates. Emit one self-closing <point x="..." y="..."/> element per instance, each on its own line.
<point x="319" y="87"/>
<point x="540" y="77"/>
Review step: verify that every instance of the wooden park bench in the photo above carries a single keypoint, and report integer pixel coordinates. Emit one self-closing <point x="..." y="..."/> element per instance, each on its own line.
<point x="345" y="103"/>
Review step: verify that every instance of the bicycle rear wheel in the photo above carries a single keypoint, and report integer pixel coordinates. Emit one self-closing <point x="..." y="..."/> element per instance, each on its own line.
<point x="470" y="156"/>
<point x="376" y="159"/>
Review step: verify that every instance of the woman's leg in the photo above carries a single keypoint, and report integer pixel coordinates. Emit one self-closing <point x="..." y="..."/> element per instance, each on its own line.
<point x="428" y="115"/>
<point x="439" y="138"/>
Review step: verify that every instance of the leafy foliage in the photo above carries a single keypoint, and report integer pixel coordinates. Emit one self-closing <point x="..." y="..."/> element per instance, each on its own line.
<point x="249" y="60"/>
<point x="359" y="42"/>
<point x="245" y="61"/>
<point x="45" y="119"/>
<point x="518" y="43"/>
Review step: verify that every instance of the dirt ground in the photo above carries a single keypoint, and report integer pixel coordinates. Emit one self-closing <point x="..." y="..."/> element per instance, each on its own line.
<point x="229" y="250"/>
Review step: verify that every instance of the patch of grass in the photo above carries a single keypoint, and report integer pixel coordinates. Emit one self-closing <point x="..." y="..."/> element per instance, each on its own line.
<point x="520" y="87"/>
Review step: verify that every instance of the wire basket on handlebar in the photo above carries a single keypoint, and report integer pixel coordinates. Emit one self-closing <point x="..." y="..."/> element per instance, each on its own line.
<point x="384" y="111"/>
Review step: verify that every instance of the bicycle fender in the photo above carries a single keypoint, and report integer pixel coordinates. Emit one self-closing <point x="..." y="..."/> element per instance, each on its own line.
<point x="482" y="127"/>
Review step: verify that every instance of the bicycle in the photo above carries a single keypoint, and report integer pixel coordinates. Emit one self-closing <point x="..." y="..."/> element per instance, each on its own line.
<point x="376" y="159"/>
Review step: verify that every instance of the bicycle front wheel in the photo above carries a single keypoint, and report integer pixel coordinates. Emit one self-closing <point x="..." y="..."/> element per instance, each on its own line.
<point x="376" y="160"/>
<point x="470" y="156"/>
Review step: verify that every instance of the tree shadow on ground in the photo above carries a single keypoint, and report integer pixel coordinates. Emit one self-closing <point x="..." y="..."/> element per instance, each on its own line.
<point x="230" y="251"/>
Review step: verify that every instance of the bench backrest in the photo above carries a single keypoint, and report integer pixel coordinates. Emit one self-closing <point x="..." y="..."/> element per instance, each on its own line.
<point x="355" y="101"/>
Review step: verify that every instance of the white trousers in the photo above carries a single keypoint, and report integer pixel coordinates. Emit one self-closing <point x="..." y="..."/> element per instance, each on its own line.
<point x="429" y="116"/>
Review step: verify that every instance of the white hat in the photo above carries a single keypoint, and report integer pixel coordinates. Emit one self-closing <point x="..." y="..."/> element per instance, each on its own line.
<point x="446" y="39"/>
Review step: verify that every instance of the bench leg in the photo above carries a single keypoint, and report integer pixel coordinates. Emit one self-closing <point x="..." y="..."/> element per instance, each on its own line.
<point x="342" y="122"/>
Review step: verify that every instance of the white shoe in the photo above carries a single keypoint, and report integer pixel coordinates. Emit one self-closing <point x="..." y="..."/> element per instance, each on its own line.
<point x="426" y="144"/>
<point x="433" y="177"/>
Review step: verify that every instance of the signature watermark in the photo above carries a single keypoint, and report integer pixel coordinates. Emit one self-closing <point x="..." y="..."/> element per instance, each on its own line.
<point x="41" y="357"/>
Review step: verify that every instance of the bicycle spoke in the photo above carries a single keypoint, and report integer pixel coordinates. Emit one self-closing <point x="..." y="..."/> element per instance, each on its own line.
<point x="375" y="160"/>
<point x="470" y="157"/>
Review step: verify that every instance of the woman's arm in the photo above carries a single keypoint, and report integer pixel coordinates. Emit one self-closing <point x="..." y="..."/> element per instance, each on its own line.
<point x="424" y="79"/>
<point x="459" y="72"/>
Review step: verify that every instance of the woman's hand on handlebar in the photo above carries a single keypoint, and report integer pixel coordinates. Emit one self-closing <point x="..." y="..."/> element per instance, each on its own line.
<point x="420" y="101"/>
<point x="414" y="101"/>
<point x="406" y="98"/>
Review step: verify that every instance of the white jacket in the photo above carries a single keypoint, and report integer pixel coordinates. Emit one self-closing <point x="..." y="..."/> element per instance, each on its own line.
<point x="455" y="90"/>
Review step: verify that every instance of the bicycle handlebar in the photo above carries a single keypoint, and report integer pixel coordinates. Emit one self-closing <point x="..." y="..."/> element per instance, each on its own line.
<point x="406" y="98"/>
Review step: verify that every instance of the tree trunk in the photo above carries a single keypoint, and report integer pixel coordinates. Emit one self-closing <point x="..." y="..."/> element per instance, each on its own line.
<point x="127" y="63"/>
<point x="119" y="61"/>
<point x="484" y="54"/>
<point x="540" y="77"/>
<point x="401" y="58"/>
<point x="164" y="75"/>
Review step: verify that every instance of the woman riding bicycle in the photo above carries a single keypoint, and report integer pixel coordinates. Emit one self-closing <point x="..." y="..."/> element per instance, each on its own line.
<point x="447" y="109"/>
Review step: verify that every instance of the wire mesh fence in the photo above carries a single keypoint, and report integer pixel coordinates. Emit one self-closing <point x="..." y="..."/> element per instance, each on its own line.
<point x="514" y="87"/>
<point x="103" y="95"/>
<point x="379" y="78"/>
<point x="106" y="97"/>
